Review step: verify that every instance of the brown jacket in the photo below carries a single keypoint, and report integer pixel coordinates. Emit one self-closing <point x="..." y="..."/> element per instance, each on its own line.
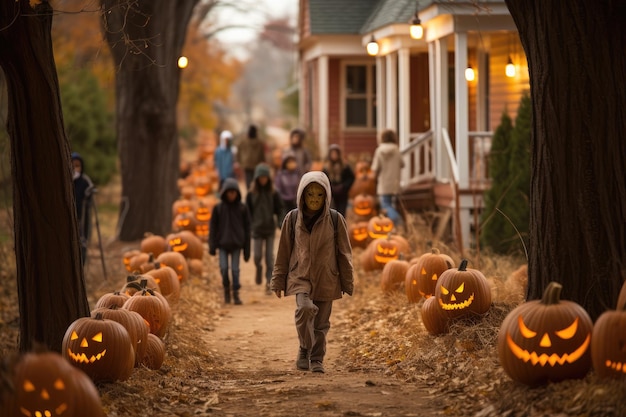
<point x="310" y="263"/>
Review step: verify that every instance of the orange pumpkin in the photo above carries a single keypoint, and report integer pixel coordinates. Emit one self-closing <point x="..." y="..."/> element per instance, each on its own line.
<point x="167" y="280"/>
<point x="392" y="277"/>
<point x="154" y="244"/>
<point x="381" y="251"/>
<point x="364" y="180"/>
<point x="153" y="307"/>
<point x="183" y="205"/>
<point x="155" y="353"/>
<point x="379" y="226"/>
<point x="177" y="262"/>
<point x="111" y="299"/>
<point x="427" y="271"/>
<point x="364" y="205"/>
<point x="187" y="243"/>
<point x="134" y="324"/>
<point x="127" y="256"/>
<point x="359" y="238"/>
<point x="184" y="221"/>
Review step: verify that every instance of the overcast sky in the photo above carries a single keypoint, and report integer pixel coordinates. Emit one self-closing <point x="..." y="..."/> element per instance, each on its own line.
<point x="255" y="13"/>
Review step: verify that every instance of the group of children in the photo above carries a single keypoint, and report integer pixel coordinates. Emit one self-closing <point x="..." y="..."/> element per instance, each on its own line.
<point x="314" y="257"/>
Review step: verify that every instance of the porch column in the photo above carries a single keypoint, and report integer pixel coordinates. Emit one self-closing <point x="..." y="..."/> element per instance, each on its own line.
<point x="482" y="110"/>
<point x="404" y="96"/>
<point x="322" y="110"/>
<point x="461" y="126"/>
<point x="439" y="103"/>
<point x="392" y="92"/>
<point x="381" y="97"/>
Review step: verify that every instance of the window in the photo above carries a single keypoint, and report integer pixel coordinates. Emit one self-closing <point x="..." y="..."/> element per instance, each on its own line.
<point x="360" y="95"/>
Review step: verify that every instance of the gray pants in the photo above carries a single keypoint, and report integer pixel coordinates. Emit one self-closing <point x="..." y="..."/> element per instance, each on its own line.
<point x="312" y="324"/>
<point x="257" y="250"/>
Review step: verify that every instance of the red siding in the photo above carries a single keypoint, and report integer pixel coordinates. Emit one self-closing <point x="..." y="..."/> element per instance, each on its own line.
<point x="420" y="108"/>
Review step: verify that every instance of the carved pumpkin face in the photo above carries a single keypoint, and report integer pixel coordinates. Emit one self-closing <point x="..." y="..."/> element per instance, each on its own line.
<point x="101" y="348"/>
<point x="363" y="205"/>
<point x="177" y="262"/>
<point x="184" y="221"/>
<point x="608" y="345"/>
<point x="430" y="267"/>
<point x="546" y="340"/>
<point x="203" y="186"/>
<point x="47" y="385"/>
<point x="385" y="251"/>
<point x="379" y="227"/>
<point x="203" y="213"/>
<point x="358" y="235"/>
<point x="462" y="291"/>
<point x="182" y="206"/>
<point x="128" y="256"/>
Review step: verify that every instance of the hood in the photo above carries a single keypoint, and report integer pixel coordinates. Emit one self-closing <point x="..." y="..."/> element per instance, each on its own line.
<point x="75" y="156"/>
<point x="335" y="147"/>
<point x="386" y="150"/>
<point x="261" y="170"/>
<point x="224" y="137"/>
<point x="318" y="177"/>
<point x="288" y="156"/>
<point x="230" y="184"/>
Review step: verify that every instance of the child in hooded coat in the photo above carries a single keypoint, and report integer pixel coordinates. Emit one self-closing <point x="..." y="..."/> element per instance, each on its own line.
<point x="286" y="183"/>
<point x="314" y="263"/>
<point x="265" y="207"/>
<point x="229" y="231"/>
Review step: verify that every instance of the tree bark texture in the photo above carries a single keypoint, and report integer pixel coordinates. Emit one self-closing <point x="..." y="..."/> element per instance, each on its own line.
<point x="577" y="65"/>
<point x="146" y="38"/>
<point x="50" y="282"/>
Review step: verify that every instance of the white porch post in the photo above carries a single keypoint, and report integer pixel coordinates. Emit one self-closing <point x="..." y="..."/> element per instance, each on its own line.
<point x="404" y="102"/>
<point x="461" y="127"/>
<point x="381" y="97"/>
<point x="439" y="104"/>
<point x="322" y="110"/>
<point x="392" y="92"/>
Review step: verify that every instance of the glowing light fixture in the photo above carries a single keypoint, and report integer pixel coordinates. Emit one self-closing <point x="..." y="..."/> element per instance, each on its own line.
<point x="372" y="47"/>
<point x="417" y="31"/>
<point x="470" y="75"/>
<point x="509" y="70"/>
<point x="183" y="62"/>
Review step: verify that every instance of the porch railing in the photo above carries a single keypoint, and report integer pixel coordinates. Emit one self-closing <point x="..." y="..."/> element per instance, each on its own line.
<point x="418" y="159"/>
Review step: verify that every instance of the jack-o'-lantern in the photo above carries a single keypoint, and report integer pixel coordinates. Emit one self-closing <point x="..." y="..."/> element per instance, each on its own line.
<point x="364" y="180"/>
<point x="203" y="212"/>
<point x="546" y="340"/>
<point x="187" y="243"/>
<point x="608" y="344"/>
<point x="428" y="269"/>
<point x="359" y="238"/>
<point x="410" y="284"/>
<point x="45" y="384"/>
<point x="183" y="205"/>
<point x="202" y="186"/>
<point x="188" y="192"/>
<point x="134" y="284"/>
<point x="392" y="276"/>
<point x="153" y="307"/>
<point x="134" y="324"/>
<point x="463" y="291"/>
<point x="127" y="256"/>
<point x="202" y="231"/>
<point x="100" y="348"/>
<point x="136" y="262"/>
<point x="184" y="221"/>
<point x="381" y="251"/>
<point x="153" y="244"/>
<point x="177" y="262"/>
<point x="379" y="227"/>
<point x="167" y="279"/>
<point x="364" y="205"/>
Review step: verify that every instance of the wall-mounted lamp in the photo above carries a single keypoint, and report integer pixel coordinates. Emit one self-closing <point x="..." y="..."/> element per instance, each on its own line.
<point x="469" y="73"/>
<point x="372" y="47"/>
<point x="417" y="31"/>
<point x="509" y="70"/>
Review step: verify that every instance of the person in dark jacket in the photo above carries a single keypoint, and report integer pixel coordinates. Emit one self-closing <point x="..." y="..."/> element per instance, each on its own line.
<point x="83" y="190"/>
<point x="229" y="231"/>
<point x="265" y="208"/>
<point x="251" y="152"/>
<point x="341" y="178"/>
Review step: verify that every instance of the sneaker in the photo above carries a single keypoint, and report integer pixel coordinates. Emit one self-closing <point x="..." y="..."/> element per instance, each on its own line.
<point x="302" y="362"/>
<point x="316" y="366"/>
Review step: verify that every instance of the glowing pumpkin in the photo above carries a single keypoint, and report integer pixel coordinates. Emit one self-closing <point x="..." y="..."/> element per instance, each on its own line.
<point x="546" y="340"/>
<point x="134" y="324"/>
<point x="379" y="227"/>
<point x="184" y="221"/>
<point x="608" y="344"/>
<point x="167" y="280"/>
<point x="364" y="180"/>
<point x="359" y="238"/>
<point x="363" y="205"/>
<point x="100" y="348"/>
<point x="381" y="251"/>
<point x="177" y="262"/>
<point x="127" y="256"/>
<point x="182" y="205"/>
<point x="187" y="243"/>
<point x="134" y="284"/>
<point x="45" y="384"/>
<point x="463" y="291"/>
<point x="428" y="269"/>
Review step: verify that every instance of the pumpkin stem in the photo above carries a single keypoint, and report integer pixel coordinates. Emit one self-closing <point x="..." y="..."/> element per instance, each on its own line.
<point x="143" y="283"/>
<point x="435" y="251"/>
<point x="552" y="293"/>
<point x="157" y="265"/>
<point x="463" y="266"/>
<point x="99" y="316"/>
<point x="131" y="278"/>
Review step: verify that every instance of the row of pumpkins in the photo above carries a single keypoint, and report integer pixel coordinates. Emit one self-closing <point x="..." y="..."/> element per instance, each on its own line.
<point x="538" y="341"/>
<point x="125" y="330"/>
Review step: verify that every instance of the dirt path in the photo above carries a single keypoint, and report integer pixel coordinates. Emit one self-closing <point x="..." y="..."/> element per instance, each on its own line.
<point x="258" y="344"/>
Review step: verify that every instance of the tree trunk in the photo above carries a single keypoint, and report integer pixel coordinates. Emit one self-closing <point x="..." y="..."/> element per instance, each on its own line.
<point x="146" y="38"/>
<point x="50" y="282"/>
<point x="577" y="69"/>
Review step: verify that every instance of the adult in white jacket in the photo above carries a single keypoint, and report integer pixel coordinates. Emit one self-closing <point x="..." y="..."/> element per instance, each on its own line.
<point x="387" y="165"/>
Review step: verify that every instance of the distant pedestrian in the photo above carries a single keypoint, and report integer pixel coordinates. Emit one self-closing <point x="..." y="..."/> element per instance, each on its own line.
<point x="286" y="183"/>
<point x="341" y="178"/>
<point x="297" y="149"/>
<point x="229" y="234"/>
<point x="251" y="153"/>
<point x="224" y="157"/>
<point x="83" y="191"/>
<point x="266" y="209"/>
<point x="314" y="263"/>
<point x="387" y="165"/>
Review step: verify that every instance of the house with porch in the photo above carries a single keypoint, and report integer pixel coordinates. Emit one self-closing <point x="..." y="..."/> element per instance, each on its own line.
<point x="443" y="93"/>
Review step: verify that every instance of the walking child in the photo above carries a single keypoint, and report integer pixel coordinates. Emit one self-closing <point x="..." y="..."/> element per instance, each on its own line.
<point x="286" y="183"/>
<point x="314" y="263"/>
<point x="229" y="234"/>
<point x="265" y="208"/>
<point x="341" y="178"/>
